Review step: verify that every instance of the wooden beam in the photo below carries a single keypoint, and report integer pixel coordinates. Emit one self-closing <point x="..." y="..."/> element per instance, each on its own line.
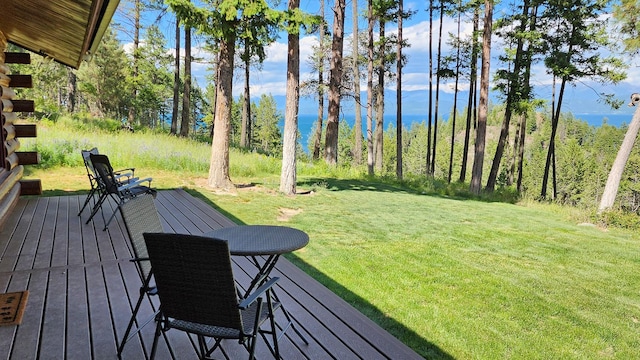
<point x="30" y="187"/>
<point x="11" y="162"/>
<point x="4" y="80"/>
<point x="12" y="145"/>
<point x="4" y="175"/>
<point x="9" y="132"/>
<point x="8" y="202"/>
<point x="9" y="181"/>
<point x="7" y="92"/>
<point x="26" y="130"/>
<point x="7" y="105"/>
<point x="28" y="157"/>
<point x="23" y="106"/>
<point x="17" y="58"/>
<point x="9" y="117"/>
<point x="21" y="81"/>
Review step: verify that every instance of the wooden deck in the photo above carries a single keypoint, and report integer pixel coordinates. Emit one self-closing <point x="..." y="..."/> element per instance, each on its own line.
<point x="82" y="288"/>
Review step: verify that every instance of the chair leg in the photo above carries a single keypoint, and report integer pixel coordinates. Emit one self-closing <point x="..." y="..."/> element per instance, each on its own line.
<point x="274" y="336"/>
<point x="275" y="349"/>
<point x="256" y="330"/>
<point x="155" y="339"/>
<point x="202" y="346"/>
<point x="96" y="207"/>
<point x="86" y="201"/>
<point x="106" y="224"/>
<point x="252" y="347"/>
<point x="126" y="336"/>
<point x="290" y="323"/>
<point x="217" y="344"/>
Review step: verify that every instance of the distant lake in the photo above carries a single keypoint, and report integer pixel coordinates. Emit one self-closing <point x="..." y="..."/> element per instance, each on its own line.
<point x="612" y="119"/>
<point x="306" y="121"/>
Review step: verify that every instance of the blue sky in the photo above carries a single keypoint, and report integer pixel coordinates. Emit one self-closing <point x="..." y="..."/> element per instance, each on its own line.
<point x="271" y="78"/>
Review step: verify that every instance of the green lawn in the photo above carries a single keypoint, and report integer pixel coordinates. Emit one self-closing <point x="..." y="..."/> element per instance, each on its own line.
<point x="469" y="279"/>
<point x="453" y="278"/>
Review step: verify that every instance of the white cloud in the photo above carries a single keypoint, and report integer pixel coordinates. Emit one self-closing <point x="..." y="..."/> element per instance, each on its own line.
<point x="269" y="88"/>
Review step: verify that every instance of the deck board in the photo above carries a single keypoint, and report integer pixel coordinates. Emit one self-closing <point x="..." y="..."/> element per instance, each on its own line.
<point x="82" y="289"/>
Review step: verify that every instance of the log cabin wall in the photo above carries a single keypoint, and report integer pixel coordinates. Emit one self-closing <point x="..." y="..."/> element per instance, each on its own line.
<point x="12" y="161"/>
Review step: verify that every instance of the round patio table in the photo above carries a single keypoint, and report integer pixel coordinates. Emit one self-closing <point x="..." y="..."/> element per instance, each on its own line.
<point x="263" y="244"/>
<point x="254" y="240"/>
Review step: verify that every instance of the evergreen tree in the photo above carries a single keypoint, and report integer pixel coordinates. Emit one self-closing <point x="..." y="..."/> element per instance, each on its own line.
<point x="574" y="35"/>
<point x="103" y="80"/>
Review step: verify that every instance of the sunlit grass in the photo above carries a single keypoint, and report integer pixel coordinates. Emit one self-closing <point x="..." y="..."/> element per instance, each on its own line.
<point x="466" y="278"/>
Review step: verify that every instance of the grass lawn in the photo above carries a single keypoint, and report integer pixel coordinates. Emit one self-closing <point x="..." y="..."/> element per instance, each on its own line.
<point x="459" y="278"/>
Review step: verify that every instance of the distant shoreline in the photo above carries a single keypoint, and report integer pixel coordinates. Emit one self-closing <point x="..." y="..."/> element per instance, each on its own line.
<point x="306" y="121"/>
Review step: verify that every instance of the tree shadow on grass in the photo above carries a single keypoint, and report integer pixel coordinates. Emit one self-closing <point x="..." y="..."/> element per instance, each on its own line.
<point x="453" y="190"/>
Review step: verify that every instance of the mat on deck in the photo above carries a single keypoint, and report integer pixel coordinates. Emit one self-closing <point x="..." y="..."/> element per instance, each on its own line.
<point x="12" y="307"/>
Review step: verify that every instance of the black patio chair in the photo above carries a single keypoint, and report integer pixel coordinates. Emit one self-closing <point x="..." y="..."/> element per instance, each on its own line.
<point x="140" y="215"/>
<point x="123" y="175"/>
<point x="111" y="186"/>
<point x="197" y="292"/>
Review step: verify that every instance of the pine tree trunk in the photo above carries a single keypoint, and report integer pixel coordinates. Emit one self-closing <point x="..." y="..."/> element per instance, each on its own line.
<point x="219" y="166"/>
<point x="471" y="110"/>
<point x="514" y="87"/>
<point x="72" y="90"/>
<point x="430" y="116"/>
<point x="527" y="93"/>
<point x="317" y="137"/>
<point x="357" y="151"/>
<point x="478" y="158"/>
<point x="288" y="174"/>
<point x="245" y="131"/>
<point x="370" y="22"/>
<point x="613" y="181"/>
<point x="335" y="79"/>
<point x="131" y="117"/>
<point x="523" y="131"/>
<point x="378" y="145"/>
<point x="552" y="141"/>
<point x="455" y="96"/>
<point x="176" y="83"/>
<point x="399" y="95"/>
<point x="186" y="95"/>
<point x="437" y="105"/>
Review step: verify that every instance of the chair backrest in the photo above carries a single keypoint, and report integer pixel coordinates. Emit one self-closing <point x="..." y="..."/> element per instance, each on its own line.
<point x="105" y="173"/>
<point x="86" y="157"/>
<point x="141" y="215"/>
<point x="194" y="279"/>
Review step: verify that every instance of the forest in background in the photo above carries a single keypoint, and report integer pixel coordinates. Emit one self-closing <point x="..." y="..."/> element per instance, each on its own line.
<point x="137" y="88"/>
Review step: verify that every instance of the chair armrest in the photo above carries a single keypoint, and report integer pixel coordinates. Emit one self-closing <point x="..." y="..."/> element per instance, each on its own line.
<point x="256" y="294"/>
<point x="134" y="183"/>
<point x="128" y="170"/>
<point x="128" y="175"/>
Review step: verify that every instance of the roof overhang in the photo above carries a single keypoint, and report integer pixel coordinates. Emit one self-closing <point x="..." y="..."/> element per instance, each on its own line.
<point x="67" y="31"/>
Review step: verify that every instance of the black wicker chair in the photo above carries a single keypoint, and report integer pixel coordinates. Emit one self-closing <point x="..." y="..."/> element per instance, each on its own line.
<point x="197" y="292"/>
<point x="113" y="187"/>
<point x="140" y="215"/>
